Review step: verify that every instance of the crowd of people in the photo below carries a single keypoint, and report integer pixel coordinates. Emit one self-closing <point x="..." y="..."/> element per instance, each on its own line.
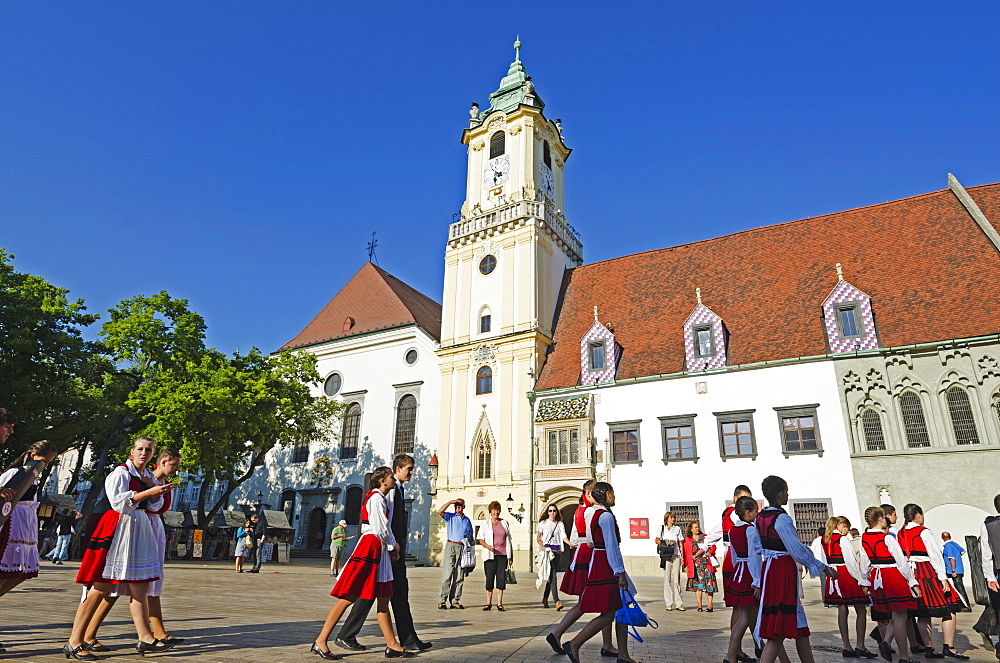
<point x="894" y="574"/>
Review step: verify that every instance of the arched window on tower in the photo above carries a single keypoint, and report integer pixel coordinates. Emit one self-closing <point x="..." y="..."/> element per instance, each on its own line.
<point x="962" y="421"/>
<point x="871" y="425"/>
<point x="484" y="380"/>
<point x="546" y="154"/>
<point x="482" y="458"/>
<point x="406" y="424"/>
<point x="498" y="144"/>
<point x="914" y="422"/>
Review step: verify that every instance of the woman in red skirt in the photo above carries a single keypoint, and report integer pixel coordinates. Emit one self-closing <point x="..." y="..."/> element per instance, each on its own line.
<point x="368" y="573"/>
<point x="743" y="560"/>
<point x="123" y="549"/>
<point x="780" y="614"/>
<point x="893" y="587"/>
<point x="606" y="576"/>
<point x="849" y="589"/>
<point x="938" y="598"/>
<point x="575" y="578"/>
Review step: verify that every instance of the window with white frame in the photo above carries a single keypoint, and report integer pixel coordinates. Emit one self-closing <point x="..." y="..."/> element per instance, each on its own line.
<point x="678" y="438"/>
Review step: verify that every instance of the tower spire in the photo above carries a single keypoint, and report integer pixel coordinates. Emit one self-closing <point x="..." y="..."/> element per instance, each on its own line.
<point x="517" y="49"/>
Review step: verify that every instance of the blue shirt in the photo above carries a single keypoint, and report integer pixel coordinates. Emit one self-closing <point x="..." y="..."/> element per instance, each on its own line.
<point x="955" y="551"/>
<point x="459" y="527"/>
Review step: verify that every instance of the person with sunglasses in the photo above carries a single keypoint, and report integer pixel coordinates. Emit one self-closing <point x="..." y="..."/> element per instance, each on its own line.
<point x="551" y="537"/>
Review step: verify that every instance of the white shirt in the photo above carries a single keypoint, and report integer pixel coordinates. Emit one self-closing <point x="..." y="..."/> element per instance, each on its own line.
<point x="897" y="555"/>
<point x="987" y="554"/>
<point x="486" y="536"/>
<point x="817" y="549"/>
<point x="851" y="561"/>
<point x="378" y="521"/>
<point x="715" y="535"/>
<point x="120" y="495"/>
<point x="553" y="532"/>
<point x="670" y="533"/>
<point x="933" y="552"/>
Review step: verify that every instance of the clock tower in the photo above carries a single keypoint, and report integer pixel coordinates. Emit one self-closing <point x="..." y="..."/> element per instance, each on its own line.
<point x="504" y="264"/>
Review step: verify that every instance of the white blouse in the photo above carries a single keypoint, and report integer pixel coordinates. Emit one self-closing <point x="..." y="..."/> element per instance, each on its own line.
<point x="851" y="561"/>
<point x="378" y="521"/>
<point x="553" y="532"/>
<point x="897" y="555"/>
<point x="116" y="486"/>
<point x="933" y="552"/>
<point x="670" y="534"/>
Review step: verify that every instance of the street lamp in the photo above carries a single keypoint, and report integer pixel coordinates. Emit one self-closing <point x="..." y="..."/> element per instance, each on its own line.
<point x="432" y="465"/>
<point x="510" y="508"/>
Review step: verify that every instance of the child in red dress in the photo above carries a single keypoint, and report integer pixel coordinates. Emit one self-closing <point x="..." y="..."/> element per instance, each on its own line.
<point x="781" y="615"/>
<point x="849" y="589"/>
<point x="368" y="573"/>
<point x="742" y="583"/>
<point x="893" y="587"/>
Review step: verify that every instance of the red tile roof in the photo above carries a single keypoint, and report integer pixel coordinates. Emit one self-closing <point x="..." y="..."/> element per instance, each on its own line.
<point x="931" y="273"/>
<point x="375" y="299"/>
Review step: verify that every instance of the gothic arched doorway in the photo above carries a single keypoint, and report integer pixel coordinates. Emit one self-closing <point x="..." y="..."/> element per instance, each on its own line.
<point x="317" y="529"/>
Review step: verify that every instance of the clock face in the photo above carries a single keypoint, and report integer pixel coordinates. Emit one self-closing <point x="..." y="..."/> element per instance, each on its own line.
<point x="496" y="172"/>
<point x="548" y="182"/>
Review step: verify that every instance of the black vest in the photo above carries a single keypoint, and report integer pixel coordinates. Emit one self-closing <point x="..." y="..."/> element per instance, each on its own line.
<point x="398" y="524"/>
<point x="993" y="539"/>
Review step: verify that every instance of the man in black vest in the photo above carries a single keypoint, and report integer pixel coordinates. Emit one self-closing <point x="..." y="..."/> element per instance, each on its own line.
<point x="402" y="469"/>
<point x="989" y="547"/>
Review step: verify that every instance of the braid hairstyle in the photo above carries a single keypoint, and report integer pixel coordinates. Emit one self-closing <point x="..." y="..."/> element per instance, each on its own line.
<point x="600" y="493"/>
<point x="873" y="514"/>
<point x="910" y="512"/>
<point x="40" y="448"/>
<point x="744" y="505"/>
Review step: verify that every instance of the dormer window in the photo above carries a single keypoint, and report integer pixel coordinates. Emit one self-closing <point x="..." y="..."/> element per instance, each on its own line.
<point x="546" y="154"/>
<point x="849" y="320"/>
<point x="703" y="341"/>
<point x="498" y="144"/>
<point x="596" y="356"/>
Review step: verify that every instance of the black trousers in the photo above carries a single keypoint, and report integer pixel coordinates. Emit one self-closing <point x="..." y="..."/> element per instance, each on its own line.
<point x="496" y="572"/>
<point x="400" y="603"/>
<point x="959" y="581"/>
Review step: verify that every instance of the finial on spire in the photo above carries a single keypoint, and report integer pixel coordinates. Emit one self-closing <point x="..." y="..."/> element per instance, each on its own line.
<point x="517" y="49"/>
<point x="840" y="272"/>
<point x="595" y="315"/>
<point x="697" y="293"/>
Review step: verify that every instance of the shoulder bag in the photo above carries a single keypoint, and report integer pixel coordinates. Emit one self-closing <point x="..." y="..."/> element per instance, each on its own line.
<point x="666" y="550"/>
<point x="631" y="616"/>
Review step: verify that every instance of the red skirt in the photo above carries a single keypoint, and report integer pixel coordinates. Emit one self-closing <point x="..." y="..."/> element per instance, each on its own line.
<point x="894" y="594"/>
<point x="934" y="601"/>
<point x="736" y="583"/>
<point x="96" y="555"/>
<point x="601" y="591"/>
<point x="575" y="578"/>
<point x="358" y="579"/>
<point x="845" y="590"/>
<point x="779" y="599"/>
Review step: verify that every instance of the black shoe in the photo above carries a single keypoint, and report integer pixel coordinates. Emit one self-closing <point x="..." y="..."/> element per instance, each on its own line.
<point x="951" y="653"/>
<point x="743" y="658"/>
<point x="930" y="653"/>
<point x="328" y="655"/>
<point x="568" y="650"/>
<point x="74" y="652"/>
<point x="608" y="654"/>
<point x="352" y="645"/>
<point x="442" y="606"/>
<point x="419" y="645"/>
<point x="253" y="571"/>
<point x="864" y="653"/>
<point x="173" y="641"/>
<point x="758" y="651"/>
<point x="95" y="646"/>
<point x="155" y="646"/>
<point x="392" y="653"/>
<point x="848" y="653"/>
<point x="554" y="643"/>
<point x="885" y="650"/>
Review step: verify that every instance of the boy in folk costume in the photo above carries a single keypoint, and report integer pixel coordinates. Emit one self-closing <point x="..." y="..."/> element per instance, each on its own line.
<point x="850" y="588"/>
<point x="368" y="573"/>
<point x="780" y="614"/>
<point x="575" y="578"/>
<point x="893" y="587"/>
<point x="938" y="598"/>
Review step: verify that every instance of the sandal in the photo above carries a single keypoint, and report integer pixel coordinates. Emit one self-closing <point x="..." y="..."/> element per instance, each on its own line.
<point x="488" y="607"/>
<point x="501" y="608"/>
<point x="95" y="646"/>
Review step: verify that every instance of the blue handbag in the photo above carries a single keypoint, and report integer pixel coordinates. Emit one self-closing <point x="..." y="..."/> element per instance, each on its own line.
<point x="631" y="615"/>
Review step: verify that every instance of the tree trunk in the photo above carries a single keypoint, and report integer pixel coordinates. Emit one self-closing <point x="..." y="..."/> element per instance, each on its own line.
<point x="203" y="518"/>
<point x="100" y="474"/>
<point x="75" y="477"/>
<point x="233" y="485"/>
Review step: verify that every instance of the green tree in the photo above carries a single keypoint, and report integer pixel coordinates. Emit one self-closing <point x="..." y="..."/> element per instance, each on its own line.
<point x="49" y="375"/>
<point x="224" y="414"/>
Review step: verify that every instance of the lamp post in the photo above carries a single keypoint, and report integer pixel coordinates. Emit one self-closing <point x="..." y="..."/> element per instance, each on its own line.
<point x="519" y="514"/>
<point x="432" y="465"/>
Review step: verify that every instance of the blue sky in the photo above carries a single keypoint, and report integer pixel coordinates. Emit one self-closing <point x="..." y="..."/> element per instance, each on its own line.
<point x="239" y="155"/>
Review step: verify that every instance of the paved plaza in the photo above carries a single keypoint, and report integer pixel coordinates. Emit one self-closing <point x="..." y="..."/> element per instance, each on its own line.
<point x="274" y="616"/>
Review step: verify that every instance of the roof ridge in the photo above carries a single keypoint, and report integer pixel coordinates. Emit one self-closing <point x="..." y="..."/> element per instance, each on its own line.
<point x="769" y="226"/>
<point x="401" y="282"/>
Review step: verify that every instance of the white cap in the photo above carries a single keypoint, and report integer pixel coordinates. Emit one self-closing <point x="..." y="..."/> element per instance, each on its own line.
<point x="343" y="522"/>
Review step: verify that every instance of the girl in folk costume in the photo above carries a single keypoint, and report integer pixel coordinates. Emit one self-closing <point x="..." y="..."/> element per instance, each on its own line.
<point x="368" y="573"/>
<point x="167" y="463"/>
<point x="123" y="549"/>
<point x="850" y="588"/>
<point x="575" y="578"/>
<point x="893" y="586"/>
<point x="938" y="598"/>
<point x="743" y="583"/>
<point x="781" y="615"/>
<point x="19" y="536"/>
<point x="606" y="576"/>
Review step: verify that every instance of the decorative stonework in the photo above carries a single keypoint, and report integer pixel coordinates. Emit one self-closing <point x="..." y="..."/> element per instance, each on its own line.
<point x="987" y="367"/>
<point x="489" y="247"/>
<point x="483" y="354"/>
<point x="702" y="315"/>
<point x="497" y="124"/>
<point x="515" y="130"/>
<point x="478" y="145"/>
<point x="907" y="384"/>
<point x="948" y="353"/>
<point x="900" y="359"/>
<point x="322" y="472"/>
<point x="567" y="408"/>
<point x="845" y="292"/>
<point x="852" y="382"/>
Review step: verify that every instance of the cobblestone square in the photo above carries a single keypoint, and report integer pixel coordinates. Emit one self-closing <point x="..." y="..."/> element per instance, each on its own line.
<point x="274" y="616"/>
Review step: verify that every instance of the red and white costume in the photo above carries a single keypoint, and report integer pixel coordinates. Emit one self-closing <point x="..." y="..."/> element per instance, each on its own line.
<point x="927" y="563"/>
<point x="711" y="544"/>
<point x="847" y="589"/>
<point x="743" y="567"/>
<point x="368" y="572"/>
<point x="575" y="577"/>
<point x="123" y="546"/>
<point x="780" y="614"/>
<point x="19" y="536"/>
<point x="601" y="591"/>
<point x="883" y="562"/>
